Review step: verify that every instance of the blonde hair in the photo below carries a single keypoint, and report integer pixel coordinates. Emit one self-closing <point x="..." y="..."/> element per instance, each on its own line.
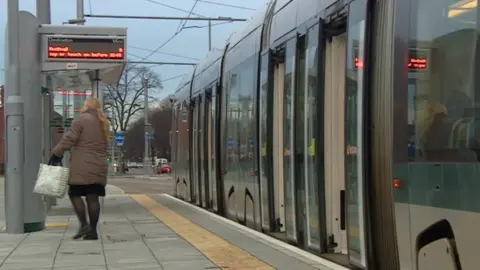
<point x="94" y="104"/>
<point x="425" y="116"/>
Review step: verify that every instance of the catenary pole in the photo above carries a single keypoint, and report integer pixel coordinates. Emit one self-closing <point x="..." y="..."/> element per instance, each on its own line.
<point x="14" y="176"/>
<point x="209" y="35"/>
<point x="146" y="159"/>
<point x="112" y="161"/>
<point x="80" y="14"/>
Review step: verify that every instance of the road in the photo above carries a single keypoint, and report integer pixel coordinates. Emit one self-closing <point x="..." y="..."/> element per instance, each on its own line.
<point x="132" y="184"/>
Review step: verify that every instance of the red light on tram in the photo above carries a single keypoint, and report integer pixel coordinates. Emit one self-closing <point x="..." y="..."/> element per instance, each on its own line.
<point x="358" y="63"/>
<point x="397" y="183"/>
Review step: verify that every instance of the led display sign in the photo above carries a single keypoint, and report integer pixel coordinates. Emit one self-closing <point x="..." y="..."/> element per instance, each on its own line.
<point x="413" y="63"/>
<point x="417" y="63"/>
<point x="73" y="93"/>
<point x="417" y="60"/>
<point x="71" y="48"/>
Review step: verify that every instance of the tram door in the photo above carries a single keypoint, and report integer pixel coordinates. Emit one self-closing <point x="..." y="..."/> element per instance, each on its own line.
<point x="334" y="134"/>
<point x="195" y="154"/>
<point x="207" y="140"/>
<point x="301" y="160"/>
<point x="202" y="172"/>
<point x="288" y="132"/>
<point x="277" y="148"/>
<point x="209" y="175"/>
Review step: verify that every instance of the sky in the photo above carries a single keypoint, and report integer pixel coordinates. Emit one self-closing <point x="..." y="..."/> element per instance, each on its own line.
<point x="143" y="36"/>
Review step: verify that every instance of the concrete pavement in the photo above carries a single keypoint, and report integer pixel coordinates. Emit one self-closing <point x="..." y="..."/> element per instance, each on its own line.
<point x="151" y="231"/>
<point x="135" y="185"/>
<point x="131" y="238"/>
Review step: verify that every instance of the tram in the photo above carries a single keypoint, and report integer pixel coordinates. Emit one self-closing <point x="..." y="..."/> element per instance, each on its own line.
<point x="346" y="128"/>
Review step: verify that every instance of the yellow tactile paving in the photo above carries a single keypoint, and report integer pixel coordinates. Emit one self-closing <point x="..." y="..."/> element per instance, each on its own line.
<point x="219" y="251"/>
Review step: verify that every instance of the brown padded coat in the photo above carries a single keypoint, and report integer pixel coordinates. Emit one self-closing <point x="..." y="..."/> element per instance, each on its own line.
<point x="88" y="164"/>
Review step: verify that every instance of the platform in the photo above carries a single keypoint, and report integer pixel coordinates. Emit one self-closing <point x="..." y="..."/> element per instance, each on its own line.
<point x="151" y="232"/>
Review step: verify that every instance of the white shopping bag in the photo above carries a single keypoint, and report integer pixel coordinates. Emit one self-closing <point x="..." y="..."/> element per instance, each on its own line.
<point x="51" y="181"/>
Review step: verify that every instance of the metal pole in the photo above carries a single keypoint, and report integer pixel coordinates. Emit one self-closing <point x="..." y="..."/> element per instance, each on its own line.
<point x="112" y="161"/>
<point x="44" y="16"/>
<point x="43" y="11"/>
<point x="80" y="15"/>
<point x="95" y="80"/>
<point x="146" y="159"/>
<point x="219" y="19"/>
<point x="14" y="132"/>
<point x="209" y="35"/>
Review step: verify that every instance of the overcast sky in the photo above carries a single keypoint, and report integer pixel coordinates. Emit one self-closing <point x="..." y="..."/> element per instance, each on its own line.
<point x="145" y="35"/>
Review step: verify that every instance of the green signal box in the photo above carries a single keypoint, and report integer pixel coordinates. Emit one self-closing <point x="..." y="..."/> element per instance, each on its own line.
<point x="109" y="159"/>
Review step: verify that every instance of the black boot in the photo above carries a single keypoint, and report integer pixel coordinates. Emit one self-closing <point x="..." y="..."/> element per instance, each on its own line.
<point x="91" y="235"/>
<point x="81" y="232"/>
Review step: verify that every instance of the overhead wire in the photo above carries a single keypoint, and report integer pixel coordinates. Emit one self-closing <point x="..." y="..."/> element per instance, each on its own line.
<point x="90" y="6"/>
<point x="172" y="7"/>
<point x="205" y="26"/>
<point x="159" y="47"/>
<point x="164" y="53"/>
<point x="173" y="78"/>
<point x="179" y="29"/>
<point x="226" y="5"/>
<point x="176" y="32"/>
<point x="189" y="14"/>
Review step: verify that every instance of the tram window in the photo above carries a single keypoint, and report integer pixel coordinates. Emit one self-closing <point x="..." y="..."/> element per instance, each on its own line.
<point x="444" y="100"/>
<point x="240" y="108"/>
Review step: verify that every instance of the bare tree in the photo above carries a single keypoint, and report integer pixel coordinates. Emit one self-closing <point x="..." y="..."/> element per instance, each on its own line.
<point x="161" y="120"/>
<point x="126" y="98"/>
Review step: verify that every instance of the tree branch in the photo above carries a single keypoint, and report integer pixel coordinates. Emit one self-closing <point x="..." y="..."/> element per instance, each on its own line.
<point x="125" y="97"/>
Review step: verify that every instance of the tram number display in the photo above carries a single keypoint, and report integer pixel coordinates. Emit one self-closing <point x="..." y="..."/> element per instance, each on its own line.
<point x="78" y="48"/>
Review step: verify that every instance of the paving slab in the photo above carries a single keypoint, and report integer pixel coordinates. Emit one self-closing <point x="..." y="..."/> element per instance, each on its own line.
<point x="130" y="238"/>
<point x="273" y="255"/>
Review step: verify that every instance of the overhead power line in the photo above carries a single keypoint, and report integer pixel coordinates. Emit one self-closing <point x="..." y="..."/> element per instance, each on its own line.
<point x="90" y="5"/>
<point x="173" y="78"/>
<point x="160" y="47"/>
<point x="135" y="17"/>
<point x="164" y="53"/>
<point x="189" y="14"/>
<point x="172" y="7"/>
<point x="224" y="19"/>
<point x="205" y="26"/>
<point x="162" y="63"/>
<point x="226" y="5"/>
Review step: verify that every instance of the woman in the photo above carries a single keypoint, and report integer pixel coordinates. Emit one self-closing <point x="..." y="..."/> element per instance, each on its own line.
<point x="88" y="141"/>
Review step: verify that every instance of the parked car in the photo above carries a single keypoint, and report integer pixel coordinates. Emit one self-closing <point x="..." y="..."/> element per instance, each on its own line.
<point x="164" y="168"/>
<point x="132" y="165"/>
<point x="115" y="165"/>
